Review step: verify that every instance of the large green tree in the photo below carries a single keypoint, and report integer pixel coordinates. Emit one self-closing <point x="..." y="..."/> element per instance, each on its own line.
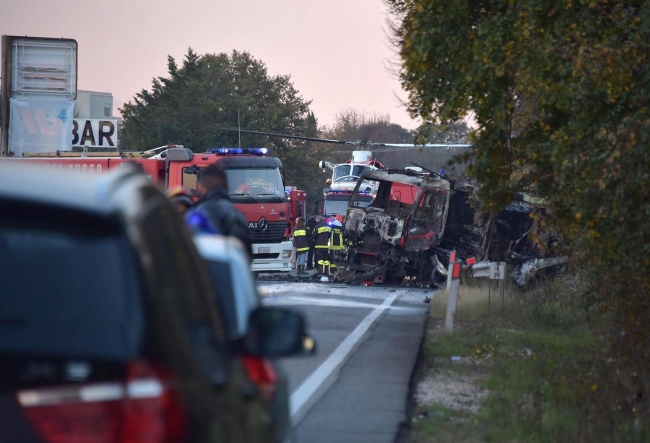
<point x="559" y="91"/>
<point x="213" y="91"/>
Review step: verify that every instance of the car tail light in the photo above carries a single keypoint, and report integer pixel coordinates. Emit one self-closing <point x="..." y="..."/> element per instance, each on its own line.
<point x="141" y="409"/>
<point x="262" y="373"/>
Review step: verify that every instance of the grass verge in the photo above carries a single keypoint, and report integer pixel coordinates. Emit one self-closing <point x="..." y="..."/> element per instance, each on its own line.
<point x="540" y="368"/>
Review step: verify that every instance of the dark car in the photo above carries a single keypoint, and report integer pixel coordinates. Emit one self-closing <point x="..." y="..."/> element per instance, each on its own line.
<point x="238" y="297"/>
<point x="109" y="331"/>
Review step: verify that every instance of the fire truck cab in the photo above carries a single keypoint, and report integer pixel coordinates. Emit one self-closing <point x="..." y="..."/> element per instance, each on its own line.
<point x="256" y="188"/>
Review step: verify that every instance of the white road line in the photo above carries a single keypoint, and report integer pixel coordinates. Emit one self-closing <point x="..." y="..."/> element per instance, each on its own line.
<point x="302" y="395"/>
<point x="329" y="302"/>
<point x="318" y="290"/>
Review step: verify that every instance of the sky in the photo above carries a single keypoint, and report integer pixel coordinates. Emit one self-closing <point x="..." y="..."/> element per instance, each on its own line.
<point x="337" y="52"/>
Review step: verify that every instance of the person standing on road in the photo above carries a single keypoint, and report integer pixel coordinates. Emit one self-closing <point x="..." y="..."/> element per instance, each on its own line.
<point x="311" y="224"/>
<point x="321" y="233"/>
<point x="301" y="241"/>
<point x="214" y="203"/>
<point x="337" y="246"/>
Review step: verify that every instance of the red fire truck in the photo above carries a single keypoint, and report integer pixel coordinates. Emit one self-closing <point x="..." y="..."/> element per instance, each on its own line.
<point x="270" y="211"/>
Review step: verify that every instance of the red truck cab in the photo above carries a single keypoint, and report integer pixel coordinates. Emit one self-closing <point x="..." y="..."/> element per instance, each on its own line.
<point x="256" y="188"/>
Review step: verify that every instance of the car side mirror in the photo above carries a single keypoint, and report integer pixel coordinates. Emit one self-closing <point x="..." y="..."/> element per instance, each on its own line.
<point x="274" y="332"/>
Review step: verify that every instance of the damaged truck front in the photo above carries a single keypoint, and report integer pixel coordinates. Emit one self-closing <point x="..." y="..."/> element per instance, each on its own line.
<point x="395" y="235"/>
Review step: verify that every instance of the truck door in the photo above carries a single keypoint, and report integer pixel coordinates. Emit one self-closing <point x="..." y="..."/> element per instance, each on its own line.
<point x="427" y="222"/>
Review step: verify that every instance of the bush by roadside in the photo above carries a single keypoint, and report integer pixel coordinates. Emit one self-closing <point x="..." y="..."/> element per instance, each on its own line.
<point x="544" y="370"/>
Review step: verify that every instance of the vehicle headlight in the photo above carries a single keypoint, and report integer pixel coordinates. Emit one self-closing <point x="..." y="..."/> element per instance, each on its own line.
<point x="286" y="254"/>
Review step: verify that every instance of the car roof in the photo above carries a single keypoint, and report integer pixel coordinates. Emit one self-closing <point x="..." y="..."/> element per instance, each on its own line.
<point x="85" y="191"/>
<point x="217" y="247"/>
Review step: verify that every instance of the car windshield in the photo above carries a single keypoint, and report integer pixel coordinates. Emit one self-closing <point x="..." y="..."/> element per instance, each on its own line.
<point x="66" y="290"/>
<point x="257" y="183"/>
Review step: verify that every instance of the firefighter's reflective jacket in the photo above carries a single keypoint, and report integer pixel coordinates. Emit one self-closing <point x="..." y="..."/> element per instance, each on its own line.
<point x="322" y="234"/>
<point x="301" y="241"/>
<point x="336" y="238"/>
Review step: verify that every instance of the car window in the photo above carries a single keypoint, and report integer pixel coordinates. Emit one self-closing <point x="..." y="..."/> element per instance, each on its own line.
<point x="178" y="266"/>
<point x="67" y="289"/>
<point x="236" y="301"/>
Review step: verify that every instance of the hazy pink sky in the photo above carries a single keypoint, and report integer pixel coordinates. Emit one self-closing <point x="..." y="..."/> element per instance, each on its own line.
<point x="336" y="51"/>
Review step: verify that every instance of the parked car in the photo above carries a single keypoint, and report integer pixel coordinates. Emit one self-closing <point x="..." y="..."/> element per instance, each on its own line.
<point x="238" y="297"/>
<point x="109" y="330"/>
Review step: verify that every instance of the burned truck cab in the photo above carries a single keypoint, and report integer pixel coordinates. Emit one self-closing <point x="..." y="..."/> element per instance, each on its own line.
<point x="393" y="236"/>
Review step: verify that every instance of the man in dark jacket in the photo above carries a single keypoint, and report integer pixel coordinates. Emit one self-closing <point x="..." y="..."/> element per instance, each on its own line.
<point x="214" y="203"/>
<point x="311" y="224"/>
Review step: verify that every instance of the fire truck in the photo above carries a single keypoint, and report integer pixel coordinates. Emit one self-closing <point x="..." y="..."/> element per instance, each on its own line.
<point x="270" y="209"/>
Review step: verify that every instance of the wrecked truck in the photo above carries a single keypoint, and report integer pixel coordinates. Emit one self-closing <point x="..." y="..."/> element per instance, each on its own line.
<point x="416" y="220"/>
<point x="394" y="236"/>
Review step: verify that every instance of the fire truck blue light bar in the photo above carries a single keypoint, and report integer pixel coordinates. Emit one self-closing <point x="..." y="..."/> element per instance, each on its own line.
<point x="240" y="151"/>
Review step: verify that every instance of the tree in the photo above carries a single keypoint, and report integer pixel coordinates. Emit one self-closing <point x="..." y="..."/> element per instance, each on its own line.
<point x="210" y="92"/>
<point x="353" y="125"/>
<point x="560" y="93"/>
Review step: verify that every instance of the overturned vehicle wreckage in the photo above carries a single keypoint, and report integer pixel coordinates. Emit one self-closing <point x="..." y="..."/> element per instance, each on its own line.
<point x="416" y="220"/>
<point x="395" y="235"/>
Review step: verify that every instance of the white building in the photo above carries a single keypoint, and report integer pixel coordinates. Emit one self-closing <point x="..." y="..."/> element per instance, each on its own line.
<point x="94" y="105"/>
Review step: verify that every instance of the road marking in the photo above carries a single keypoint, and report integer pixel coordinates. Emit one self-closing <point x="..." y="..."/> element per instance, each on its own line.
<point x="330" y="302"/>
<point x="313" y="301"/>
<point x="302" y="395"/>
<point x="316" y="289"/>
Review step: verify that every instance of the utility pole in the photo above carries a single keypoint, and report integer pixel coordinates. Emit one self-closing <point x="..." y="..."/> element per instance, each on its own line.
<point x="5" y="93"/>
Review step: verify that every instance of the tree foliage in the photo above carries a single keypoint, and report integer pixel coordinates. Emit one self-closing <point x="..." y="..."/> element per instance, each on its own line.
<point x="353" y="125"/>
<point x="213" y="91"/>
<point x="560" y="93"/>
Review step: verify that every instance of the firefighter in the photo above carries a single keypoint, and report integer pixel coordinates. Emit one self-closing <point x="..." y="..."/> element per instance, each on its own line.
<point x="337" y="247"/>
<point x="321" y="234"/>
<point x="301" y="242"/>
<point x="311" y="224"/>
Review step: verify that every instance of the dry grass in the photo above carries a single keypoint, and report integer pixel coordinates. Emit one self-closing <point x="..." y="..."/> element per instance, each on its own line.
<point x="473" y="302"/>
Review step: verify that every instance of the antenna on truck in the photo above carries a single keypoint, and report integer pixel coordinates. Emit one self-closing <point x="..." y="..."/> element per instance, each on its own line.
<point x="239" y="128"/>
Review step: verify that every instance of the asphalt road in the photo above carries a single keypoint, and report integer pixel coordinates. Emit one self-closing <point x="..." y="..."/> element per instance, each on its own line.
<point x="356" y="388"/>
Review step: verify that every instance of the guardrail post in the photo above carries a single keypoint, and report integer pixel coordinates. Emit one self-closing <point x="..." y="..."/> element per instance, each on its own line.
<point x="452" y="259"/>
<point x="452" y="302"/>
<point x="503" y="289"/>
